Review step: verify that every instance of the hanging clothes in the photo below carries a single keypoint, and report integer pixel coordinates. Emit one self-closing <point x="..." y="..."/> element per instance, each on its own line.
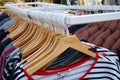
<point x="105" y="34"/>
<point x="114" y="2"/>
<point x="103" y="67"/>
<point x="71" y="2"/>
<point x="3" y="16"/>
<point x="57" y="1"/>
<point x="71" y="64"/>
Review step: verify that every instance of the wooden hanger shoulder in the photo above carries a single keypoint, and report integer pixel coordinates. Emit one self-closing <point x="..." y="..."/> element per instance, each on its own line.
<point x="45" y="48"/>
<point x="24" y="34"/>
<point x="26" y="37"/>
<point x="17" y="32"/>
<point x="63" y="44"/>
<point x="44" y="54"/>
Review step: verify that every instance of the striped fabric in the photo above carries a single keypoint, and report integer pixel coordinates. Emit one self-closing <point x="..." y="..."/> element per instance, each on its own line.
<point x="105" y="67"/>
<point x="10" y="64"/>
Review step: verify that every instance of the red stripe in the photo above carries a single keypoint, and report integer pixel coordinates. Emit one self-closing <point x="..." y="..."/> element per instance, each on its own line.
<point x="61" y="69"/>
<point x="97" y="56"/>
<point x="28" y="76"/>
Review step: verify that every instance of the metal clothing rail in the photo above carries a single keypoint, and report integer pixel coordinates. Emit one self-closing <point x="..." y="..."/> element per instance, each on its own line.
<point x="72" y="19"/>
<point x="60" y="6"/>
<point x="92" y="18"/>
<point x="107" y="7"/>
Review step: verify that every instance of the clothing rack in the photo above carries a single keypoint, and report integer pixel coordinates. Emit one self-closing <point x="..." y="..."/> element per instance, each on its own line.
<point x="85" y="18"/>
<point x="92" y="18"/>
<point x="38" y="46"/>
<point x="59" y="6"/>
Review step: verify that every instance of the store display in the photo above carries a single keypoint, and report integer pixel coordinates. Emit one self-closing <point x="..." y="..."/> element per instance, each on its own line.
<point x="73" y="44"/>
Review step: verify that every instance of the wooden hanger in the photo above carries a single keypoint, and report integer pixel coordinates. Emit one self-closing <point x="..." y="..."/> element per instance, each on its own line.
<point x="30" y="41"/>
<point x="26" y="36"/>
<point x="43" y="53"/>
<point x="25" y="33"/>
<point x="16" y="28"/>
<point x="14" y="25"/>
<point x="22" y="36"/>
<point x="45" y="47"/>
<point x="35" y="43"/>
<point x="59" y="40"/>
<point x="19" y="30"/>
<point x="60" y="44"/>
<point x="63" y="43"/>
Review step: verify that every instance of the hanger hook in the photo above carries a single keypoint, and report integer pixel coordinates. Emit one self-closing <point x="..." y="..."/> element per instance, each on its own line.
<point x="40" y="16"/>
<point x="46" y="21"/>
<point x="62" y="30"/>
<point x="61" y="21"/>
<point x="43" y="18"/>
<point x="55" y="23"/>
<point x="50" y="22"/>
<point x="39" y="19"/>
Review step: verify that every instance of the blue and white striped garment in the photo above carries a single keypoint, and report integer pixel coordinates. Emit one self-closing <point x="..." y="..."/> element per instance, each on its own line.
<point x="105" y="67"/>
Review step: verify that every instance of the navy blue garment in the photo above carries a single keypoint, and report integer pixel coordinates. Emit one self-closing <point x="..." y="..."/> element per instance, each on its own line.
<point x="3" y="35"/>
<point x="63" y="56"/>
<point x="3" y="16"/>
<point x="70" y="55"/>
<point x="57" y="1"/>
<point x="4" y="21"/>
<point x="2" y="30"/>
<point x="72" y="2"/>
<point x="8" y="23"/>
<point x="4" y="44"/>
<point x="74" y="28"/>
